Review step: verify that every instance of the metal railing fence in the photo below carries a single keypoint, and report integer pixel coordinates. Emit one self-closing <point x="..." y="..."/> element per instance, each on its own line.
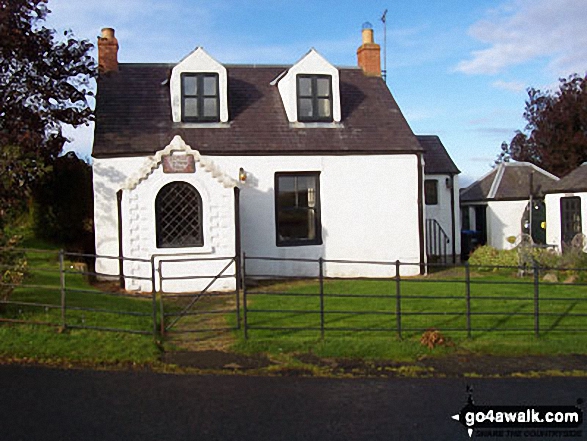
<point x="466" y="298"/>
<point x="54" y="290"/>
<point x="473" y="299"/>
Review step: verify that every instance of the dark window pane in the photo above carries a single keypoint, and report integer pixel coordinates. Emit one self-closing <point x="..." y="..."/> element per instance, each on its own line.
<point x="190" y="107"/>
<point x="305" y="86"/>
<point x="570" y="218"/>
<point x="178" y="209"/>
<point x="293" y="224"/>
<point x="314" y="98"/>
<point x="324" y="110"/>
<point x="431" y="191"/>
<point x="210" y="107"/>
<point x="323" y="87"/>
<point x="200" y="97"/>
<point x="210" y="86"/>
<point x="287" y="198"/>
<point x="297" y="209"/>
<point x="306" y="109"/>
<point x="190" y="85"/>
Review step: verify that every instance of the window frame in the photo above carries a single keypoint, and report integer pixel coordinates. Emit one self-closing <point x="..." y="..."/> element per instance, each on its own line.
<point x="571" y="218"/>
<point x="314" y="97"/>
<point x="200" y="96"/>
<point x="158" y="218"/>
<point x="317" y="211"/>
<point x="430" y="198"/>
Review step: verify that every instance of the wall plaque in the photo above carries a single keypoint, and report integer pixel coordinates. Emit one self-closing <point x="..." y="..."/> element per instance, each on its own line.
<point x="179" y="164"/>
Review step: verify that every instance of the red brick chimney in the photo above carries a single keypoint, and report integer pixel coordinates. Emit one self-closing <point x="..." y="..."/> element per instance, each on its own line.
<point x="369" y="54"/>
<point x="107" y="52"/>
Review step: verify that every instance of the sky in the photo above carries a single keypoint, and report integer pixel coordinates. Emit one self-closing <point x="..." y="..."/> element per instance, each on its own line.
<point x="459" y="69"/>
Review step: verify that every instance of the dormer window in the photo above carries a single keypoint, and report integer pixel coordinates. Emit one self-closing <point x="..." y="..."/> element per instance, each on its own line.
<point x="314" y="94"/>
<point x="200" y="97"/>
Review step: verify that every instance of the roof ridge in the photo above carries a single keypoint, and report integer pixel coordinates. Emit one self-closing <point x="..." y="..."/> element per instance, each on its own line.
<point x="496" y="181"/>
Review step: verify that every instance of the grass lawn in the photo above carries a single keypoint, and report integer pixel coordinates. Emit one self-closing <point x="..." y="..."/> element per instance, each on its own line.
<point x="360" y="317"/>
<point x="87" y="307"/>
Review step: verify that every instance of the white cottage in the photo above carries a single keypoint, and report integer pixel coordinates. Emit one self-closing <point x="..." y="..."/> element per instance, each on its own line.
<point x="200" y="160"/>
<point x="566" y="210"/>
<point x="497" y="206"/>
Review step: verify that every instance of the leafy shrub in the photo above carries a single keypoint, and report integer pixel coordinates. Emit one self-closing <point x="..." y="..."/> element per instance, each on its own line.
<point x="487" y="257"/>
<point x="13" y="267"/>
<point x="565" y="265"/>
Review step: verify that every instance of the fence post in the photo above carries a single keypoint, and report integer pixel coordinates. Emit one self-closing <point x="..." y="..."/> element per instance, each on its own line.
<point x="245" y="323"/>
<point x="161" y="306"/>
<point x="468" y="296"/>
<point x="154" y="296"/>
<point x="321" y="278"/>
<point x="536" y="296"/>
<point x="62" y="286"/>
<point x="398" y="306"/>
<point x="238" y="294"/>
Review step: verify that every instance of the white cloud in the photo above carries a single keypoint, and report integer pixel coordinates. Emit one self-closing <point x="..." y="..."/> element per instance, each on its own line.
<point x="524" y="30"/>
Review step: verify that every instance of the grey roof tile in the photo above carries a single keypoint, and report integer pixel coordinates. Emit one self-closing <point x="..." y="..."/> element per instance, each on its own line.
<point x="509" y="181"/>
<point x="436" y="158"/>
<point x="576" y="181"/>
<point x="133" y="117"/>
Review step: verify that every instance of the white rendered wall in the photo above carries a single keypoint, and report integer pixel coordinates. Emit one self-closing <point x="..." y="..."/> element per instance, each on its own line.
<point x="139" y="233"/>
<point x="441" y="212"/>
<point x="369" y="212"/>
<point x="553" y="217"/>
<point x="504" y="219"/>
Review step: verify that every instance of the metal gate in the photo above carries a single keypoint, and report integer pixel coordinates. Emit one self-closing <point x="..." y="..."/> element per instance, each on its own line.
<point x="213" y="308"/>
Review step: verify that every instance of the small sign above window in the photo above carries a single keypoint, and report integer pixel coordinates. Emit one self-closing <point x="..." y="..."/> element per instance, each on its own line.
<point x="179" y="164"/>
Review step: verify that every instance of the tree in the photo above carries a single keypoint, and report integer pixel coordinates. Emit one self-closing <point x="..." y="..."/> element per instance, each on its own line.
<point x="504" y="155"/>
<point x="63" y="204"/>
<point x="44" y="83"/>
<point x="556" y="137"/>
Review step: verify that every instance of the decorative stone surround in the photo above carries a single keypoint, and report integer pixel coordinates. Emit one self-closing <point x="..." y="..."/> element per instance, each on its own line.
<point x="178" y="145"/>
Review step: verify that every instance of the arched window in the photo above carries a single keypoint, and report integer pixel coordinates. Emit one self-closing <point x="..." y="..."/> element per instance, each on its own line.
<point x="178" y="211"/>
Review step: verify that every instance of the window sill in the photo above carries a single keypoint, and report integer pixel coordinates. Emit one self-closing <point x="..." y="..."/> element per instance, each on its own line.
<point x="201" y="125"/>
<point x="298" y="244"/>
<point x="316" y="125"/>
<point x="180" y="252"/>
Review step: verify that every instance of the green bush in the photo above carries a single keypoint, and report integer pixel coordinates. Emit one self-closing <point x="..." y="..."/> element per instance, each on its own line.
<point x="13" y="265"/>
<point x="565" y="265"/>
<point x="486" y="257"/>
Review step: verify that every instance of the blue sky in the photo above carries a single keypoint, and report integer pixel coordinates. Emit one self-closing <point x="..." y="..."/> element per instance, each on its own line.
<point x="457" y="68"/>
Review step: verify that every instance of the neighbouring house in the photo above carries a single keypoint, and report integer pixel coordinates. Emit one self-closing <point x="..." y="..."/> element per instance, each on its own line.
<point x="505" y="203"/>
<point x="566" y="210"/>
<point x="201" y="160"/>
<point x="441" y="198"/>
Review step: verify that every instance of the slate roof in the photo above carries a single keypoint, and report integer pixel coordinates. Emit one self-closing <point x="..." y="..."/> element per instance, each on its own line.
<point x="509" y="181"/>
<point x="436" y="159"/>
<point x="133" y="117"/>
<point x="574" y="182"/>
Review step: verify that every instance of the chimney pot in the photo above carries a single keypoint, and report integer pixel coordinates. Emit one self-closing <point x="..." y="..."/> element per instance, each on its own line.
<point x="367" y="33"/>
<point x="369" y="54"/>
<point x="107" y="51"/>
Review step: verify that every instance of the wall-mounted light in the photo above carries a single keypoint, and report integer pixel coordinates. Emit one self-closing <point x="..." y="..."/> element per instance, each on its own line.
<point x="242" y="175"/>
<point x="448" y="183"/>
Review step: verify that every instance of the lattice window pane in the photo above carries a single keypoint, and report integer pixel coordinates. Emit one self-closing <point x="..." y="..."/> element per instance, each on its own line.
<point x="178" y="209"/>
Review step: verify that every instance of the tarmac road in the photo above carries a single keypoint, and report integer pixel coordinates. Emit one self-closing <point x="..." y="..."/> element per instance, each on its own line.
<point x="51" y="404"/>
